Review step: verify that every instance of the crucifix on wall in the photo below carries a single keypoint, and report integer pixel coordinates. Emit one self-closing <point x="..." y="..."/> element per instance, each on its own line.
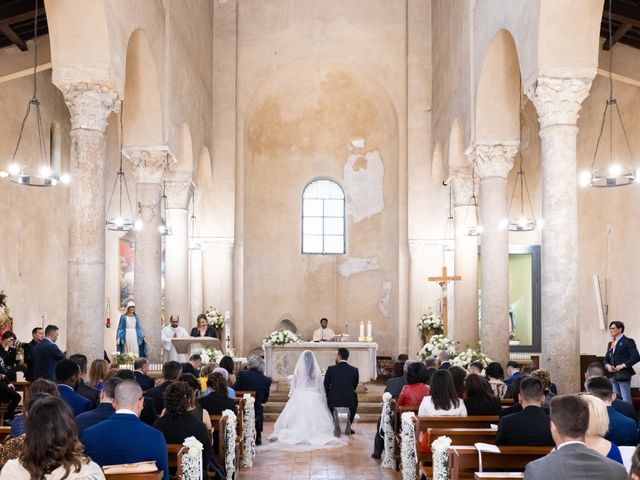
<point x="443" y="280"/>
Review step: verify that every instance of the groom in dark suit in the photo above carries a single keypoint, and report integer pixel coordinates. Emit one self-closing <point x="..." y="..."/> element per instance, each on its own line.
<point x="340" y="383"/>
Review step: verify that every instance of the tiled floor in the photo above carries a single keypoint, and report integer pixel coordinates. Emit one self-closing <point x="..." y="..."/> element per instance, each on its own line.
<point x="352" y="462"/>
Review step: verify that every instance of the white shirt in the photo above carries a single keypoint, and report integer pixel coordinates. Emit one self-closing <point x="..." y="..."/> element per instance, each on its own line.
<point x="428" y="410"/>
<point x="167" y="344"/>
<point x="323" y="334"/>
<point x="127" y="411"/>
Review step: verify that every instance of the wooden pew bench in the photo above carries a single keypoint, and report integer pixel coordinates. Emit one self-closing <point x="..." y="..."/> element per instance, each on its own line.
<point x="463" y="460"/>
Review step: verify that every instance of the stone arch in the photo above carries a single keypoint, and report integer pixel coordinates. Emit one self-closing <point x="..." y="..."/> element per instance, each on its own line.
<point x="498" y="99"/>
<point x="55" y="147"/>
<point x="204" y="171"/>
<point x="457" y="157"/>
<point x="185" y="161"/>
<point x="142" y="108"/>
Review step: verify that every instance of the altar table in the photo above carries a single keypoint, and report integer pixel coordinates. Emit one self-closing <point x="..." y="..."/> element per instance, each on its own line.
<point x="280" y="360"/>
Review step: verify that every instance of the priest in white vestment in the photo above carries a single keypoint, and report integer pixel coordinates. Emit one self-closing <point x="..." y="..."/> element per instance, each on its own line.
<point x="173" y="331"/>
<point x="323" y="334"/>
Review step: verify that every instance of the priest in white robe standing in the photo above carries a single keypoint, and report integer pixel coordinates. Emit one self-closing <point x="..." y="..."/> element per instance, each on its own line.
<point x="173" y="331"/>
<point x="323" y="334"/>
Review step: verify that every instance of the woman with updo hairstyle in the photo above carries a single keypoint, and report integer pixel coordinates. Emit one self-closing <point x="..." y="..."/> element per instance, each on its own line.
<point x="52" y="450"/>
<point x="218" y="400"/>
<point x="495" y="374"/>
<point x="194" y="407"/>
<point x="545" y="378"/>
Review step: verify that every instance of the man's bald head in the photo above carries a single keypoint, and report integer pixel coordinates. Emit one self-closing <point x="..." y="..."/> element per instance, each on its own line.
<point x="128" y="395"/>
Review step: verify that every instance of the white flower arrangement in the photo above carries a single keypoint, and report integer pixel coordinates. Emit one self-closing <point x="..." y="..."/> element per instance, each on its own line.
<point x="408" y="454"/>
<point x="192" y="460"/>
<point x="463" y="359"/>
<point x="431" y="322"/>
<point x="386" y="431"/>
<point x="281" y="337"/>
<point x="435" y="345"/>
<point x="214" y="318"/>
<point x="440" y="457"/>
<point x="249" y="429"/>
<point x="230" y="443"/>
<point x="211" y="355"/>
<point x="123" y="358"/>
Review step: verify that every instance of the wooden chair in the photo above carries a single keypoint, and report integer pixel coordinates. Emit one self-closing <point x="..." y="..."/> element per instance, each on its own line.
<point x="135" y="476"/>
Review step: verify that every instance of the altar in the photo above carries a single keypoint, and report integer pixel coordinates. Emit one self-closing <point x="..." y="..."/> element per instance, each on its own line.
<point x="280" y="360"/>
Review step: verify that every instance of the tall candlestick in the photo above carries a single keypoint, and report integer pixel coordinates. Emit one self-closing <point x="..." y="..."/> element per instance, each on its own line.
<point x="369" y="330"/>
<point x="361" y="330"/>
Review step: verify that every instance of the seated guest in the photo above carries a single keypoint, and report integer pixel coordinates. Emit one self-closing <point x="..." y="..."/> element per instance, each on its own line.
<point x="545" y="377"/>
<point x="218" y="400"/>
<point x="202" y="328"/>
<point x="177" y="424"/>
<point x="104" y="409"/>
<point x="596" y="369"/>
<point x="475" y="368"/>
<point x="531" y="426"/>
<point x="9" y="354"/>
<point x="398" y="369"/>
<point x="622" y="430"/>
<point x="98" y="372"/>
<point x="572" y="460"/>
<point x="148" y="414"/>
<point x="513" y="372"/>
<point x="514" y="390"/>
<point x="495" y="374"/>
<point x="231" y="392"/>
<point x="68" y="373"/>
<point x="51" y="447"/>
<point x="254" y="379"/>
<point x="431" y="363"/>
<point x="402" y="357"/>
<point x="480" y="399"/>
<point x="205" y="371"/>
<point x="41" y="385"/>
<point x="171" y="370"/>
<point x="193" y="365"/>
<point x="194" y="409"/>
<point x="443" y="360"/>
<point x="123" y="438"/>
<point x="415" y="390"/>
<point x="458" y="374"/>
<point x="86" y="390"/>
<point x="443" y="401"/>
<point x="396" y="383"/>
<point x="140" y="370"/>
<point x="598" y="426"/>
<point x="229" y="365"/>
<point x="8" y="393"/>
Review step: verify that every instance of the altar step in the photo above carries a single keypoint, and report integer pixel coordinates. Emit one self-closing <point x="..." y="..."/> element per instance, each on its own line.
<point x="369" y="404"/>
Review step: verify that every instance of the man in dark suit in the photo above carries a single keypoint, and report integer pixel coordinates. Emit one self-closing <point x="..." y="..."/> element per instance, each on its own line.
<point x="46" y="354"/>
<point x="148" y="414"/>
<point x="83" y="388"/>
<point x="123" y="438"/>
<point x="104" y="409"/>
<point x="141" y="368"/>
<point x="596" y="369"/>
<point x="396" y="384"/>
<point x="530" y="427"/>
<point x="37" y="335"/>
<point x="619" y="360"/>
<point x="623" y="431"/>
<point x="572" y="460"/>
<point x="193" y="365"/>
<point x="513" y="372"/>
<point x="67" y="373"/>
<point x="254" y="379"/>
<point x="340" y="383"/>
<point x="443" y="360"/>
<point x="171" y="370"/>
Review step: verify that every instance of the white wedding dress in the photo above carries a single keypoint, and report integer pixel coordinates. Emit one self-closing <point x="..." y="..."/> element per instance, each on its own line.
<point x="306" y="421"/>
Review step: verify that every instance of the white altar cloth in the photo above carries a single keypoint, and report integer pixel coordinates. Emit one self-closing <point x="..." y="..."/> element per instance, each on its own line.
<point x="280" y="360"/>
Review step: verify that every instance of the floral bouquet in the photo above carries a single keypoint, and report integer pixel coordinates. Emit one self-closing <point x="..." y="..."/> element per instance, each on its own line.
<point x="211" y="355"/>
<point x="463" y="359"/>
<point x="281" y="337"/>
<point x="214" y="318"/>
<point x="192" y="460"/>
<point x="123" y="358"/>
<point x="431" y="322"/>
<point x="437" y="344"/>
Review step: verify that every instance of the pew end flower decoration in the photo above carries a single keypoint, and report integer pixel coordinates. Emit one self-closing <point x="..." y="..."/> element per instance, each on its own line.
<point x="281" y="337"/>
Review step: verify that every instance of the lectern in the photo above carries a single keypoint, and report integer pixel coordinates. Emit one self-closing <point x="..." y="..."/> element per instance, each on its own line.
<point x="191" y="345"/>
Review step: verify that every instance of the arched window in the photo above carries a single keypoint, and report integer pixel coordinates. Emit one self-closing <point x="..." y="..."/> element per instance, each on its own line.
<point x="323" y="218"/>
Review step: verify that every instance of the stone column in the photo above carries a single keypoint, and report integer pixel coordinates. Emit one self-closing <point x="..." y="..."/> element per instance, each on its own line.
<point x="89" y="106"/>
<point x="558" y="101"/>
<point x="196" y="286"/>
<point x="179" y="189"/>
<point x="492" y="163"/>
<point x="149" y="166"/>
<point x="465" y="303"/>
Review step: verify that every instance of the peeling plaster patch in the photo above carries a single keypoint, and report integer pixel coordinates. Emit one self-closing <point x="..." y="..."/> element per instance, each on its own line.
<point x="385" y="294"/>
<point x="358" y="142"/>
<point x="363" y="177"/>
<point x="358" y="265"/>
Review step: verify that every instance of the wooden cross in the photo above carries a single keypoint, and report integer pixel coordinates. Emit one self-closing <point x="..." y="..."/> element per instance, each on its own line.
<point x="443" y="280"/>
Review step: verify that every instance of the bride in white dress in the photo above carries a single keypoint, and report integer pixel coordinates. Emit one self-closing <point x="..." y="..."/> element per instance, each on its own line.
<point x="306" y="420"/>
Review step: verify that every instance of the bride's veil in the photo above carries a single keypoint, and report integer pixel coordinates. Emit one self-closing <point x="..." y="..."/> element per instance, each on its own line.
<point x="307" y="373"/>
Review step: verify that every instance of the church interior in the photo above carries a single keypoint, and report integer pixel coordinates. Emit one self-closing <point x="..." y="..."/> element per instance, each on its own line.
<point x="371" y="162"/>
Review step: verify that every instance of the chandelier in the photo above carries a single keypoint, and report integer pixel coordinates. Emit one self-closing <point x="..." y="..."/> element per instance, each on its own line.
<point x="615" y="174"/>
<point x="194" y="239"/>
<point x="523" y="223"/>
<point x="47" y="174"/>
<point x="165" y="227"/>
<point x="476" y="229"/>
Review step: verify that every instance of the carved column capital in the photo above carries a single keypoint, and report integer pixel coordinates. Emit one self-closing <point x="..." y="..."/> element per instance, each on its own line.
<point x="90" y="105"/>
<point x="178" y="189"/>
<point x="493" y="159"/>
<point x="463" y="186"/>
<point x="558" y="99"/>
<point x="149" y="163"/>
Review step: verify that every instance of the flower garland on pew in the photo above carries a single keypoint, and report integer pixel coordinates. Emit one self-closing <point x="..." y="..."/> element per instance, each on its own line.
<point x="408" y="452"/>
<point x="386" y="430"/>
<point x="249" y="428"/>
<point x="192" y="460"/>
<point x="440" y="456"/>
<point x="230" y="443"/>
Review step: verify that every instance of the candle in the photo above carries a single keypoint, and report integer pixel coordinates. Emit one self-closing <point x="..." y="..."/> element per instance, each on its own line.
<point x="369" y="330"/>
<point x="361" y="329"/>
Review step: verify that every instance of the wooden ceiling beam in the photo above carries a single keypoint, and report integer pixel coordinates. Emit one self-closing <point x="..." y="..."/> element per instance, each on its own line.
<point x="14" y="37"/>
<point x="21" y="17"/>
<point x="617" y="35"/>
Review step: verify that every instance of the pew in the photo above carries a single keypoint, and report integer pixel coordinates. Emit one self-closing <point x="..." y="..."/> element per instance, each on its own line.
<point x="4" y="432"/>
<point x="464" y="436"/>
<point x="135" y="476"/>
<point x="239" y="401"/>
<point x="175" y="451"/>
<point x="463" y="460"/>
<point x="497" y="475"/>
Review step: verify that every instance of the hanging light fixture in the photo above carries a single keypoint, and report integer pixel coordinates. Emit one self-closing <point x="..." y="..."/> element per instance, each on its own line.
<point x="46" y="176"/>
<point x="473" y="230"/>
<point x="165" y="227"/>
<point x="615" y="174"/>
<point x="522" y="223"/>
<point x="449" y="229"/>
<point x="194" y="239"/>
<point x="121" y="223"/>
